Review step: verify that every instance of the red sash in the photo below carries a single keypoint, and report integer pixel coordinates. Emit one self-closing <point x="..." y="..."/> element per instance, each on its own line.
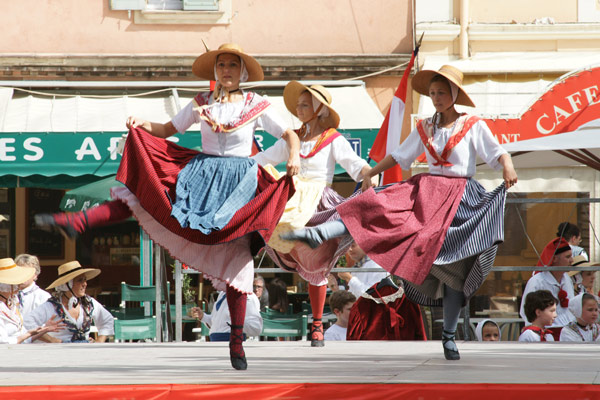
<point x="326" y="137"/>
<point x="425" y="129"/>
<point x="539" y="331"/>
<point x="254" y="106"/>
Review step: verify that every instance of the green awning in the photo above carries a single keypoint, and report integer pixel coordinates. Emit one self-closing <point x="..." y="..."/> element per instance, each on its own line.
<point x="69" y="159"/>
<point x="89" y="195"/>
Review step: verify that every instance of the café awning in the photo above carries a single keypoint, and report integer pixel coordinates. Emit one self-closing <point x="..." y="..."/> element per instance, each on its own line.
<point x="67" y="136"/>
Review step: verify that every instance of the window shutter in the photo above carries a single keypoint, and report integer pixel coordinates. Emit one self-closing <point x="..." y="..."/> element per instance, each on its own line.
<point x="201" y="5"/>
<point x="127" y="4"/>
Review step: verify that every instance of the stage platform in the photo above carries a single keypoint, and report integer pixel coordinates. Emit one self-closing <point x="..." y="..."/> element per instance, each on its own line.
<point x="355" y="369"/>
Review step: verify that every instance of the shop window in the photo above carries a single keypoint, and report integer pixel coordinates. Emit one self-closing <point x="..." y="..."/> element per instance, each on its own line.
<point x="7" y="222"/>
<point x="44" y="244"/>
<point x="176" y="11"/>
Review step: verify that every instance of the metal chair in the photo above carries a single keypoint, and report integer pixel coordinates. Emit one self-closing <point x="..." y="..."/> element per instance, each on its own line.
<point x="135" y="329"/>
<point x="284" y="327"/>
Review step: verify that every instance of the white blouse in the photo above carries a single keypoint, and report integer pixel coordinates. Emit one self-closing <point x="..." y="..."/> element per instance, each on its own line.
<point x="32" y="297"/>
<point x="531" y="336"/>
<point x="478" y="141"/>
<point x="237" y="143"/>
<point x="11" y="325"/>
<point x="585" y="335"/>
<point x="103" y="320"/>
<point x="321" y="166"/>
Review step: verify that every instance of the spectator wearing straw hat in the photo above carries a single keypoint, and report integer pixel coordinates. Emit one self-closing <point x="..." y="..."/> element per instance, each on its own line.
<point x="71" y="305"/>
<point x="583" y="281"/>
<point x="12" y="330"/>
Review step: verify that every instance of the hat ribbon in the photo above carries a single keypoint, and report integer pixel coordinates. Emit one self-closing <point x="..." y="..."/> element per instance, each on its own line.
<point x="9" y="267"/>
<point x="69" y="271"/>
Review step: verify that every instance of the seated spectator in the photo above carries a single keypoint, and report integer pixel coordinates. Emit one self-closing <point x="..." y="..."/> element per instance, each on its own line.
<point x="72" y="306"/>
<point x="278" y="298"/>
<point x="487" y="331"/>
<point x="583" y="281"/>
<point x="219" y="321"/>
<point x="261" y="291"/>
<point x="557" y="253"/>
<point x="340" y="302"/>
<point x="585" y="308"/>
<point x="30" y="294"/>
<point x="359" y="282"/>
<point x="571" y="233"/>
<point x="12" y="330"/>
<point x="540" y="311"/>
<point x="384" y="312"/>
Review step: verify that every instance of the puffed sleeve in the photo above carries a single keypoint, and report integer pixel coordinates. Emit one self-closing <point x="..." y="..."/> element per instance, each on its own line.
<point x="486" y="145"/>
<point x="185" y="118"/>
<point x="253" y="324"/>
<point x="103" y="319"/>
<point x="274" y="155"/>
<point x="38" y="316"/>
<point x="347" y="158"/>
<point x="272" y="122"/>
<point x="568" y="335"/>
<point x="409" y="150"/>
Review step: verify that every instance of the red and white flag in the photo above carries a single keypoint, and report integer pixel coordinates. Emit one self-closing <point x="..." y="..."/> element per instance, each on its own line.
<point x="388" y="137"/>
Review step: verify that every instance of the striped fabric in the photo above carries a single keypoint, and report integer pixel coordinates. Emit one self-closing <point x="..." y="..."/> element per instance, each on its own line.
<point x="208" y="210"/>
<point x="314" y="265"/>
<point x="149" y="169"/>
<point x="469" y="249"/>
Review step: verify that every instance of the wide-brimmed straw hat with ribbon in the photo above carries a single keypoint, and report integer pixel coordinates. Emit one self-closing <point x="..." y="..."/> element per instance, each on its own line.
<point x="294" y="90"/>
<point x="71" y="270"/>
<point x="12" y="274"/>
<point x="204" y="66"/>
<point x="420" y="82"/>
<point x="580" y="261"/>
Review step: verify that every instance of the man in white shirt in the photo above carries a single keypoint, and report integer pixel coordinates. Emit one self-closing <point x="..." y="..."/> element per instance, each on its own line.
<point x="219" y="320"/>
<point x="359" y="282"/>
<point x="557" y="253"/>
<point x="30" y="294"/>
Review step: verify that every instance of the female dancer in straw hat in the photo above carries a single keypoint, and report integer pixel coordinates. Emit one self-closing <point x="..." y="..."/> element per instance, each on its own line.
<point x="12" y="329"/>
<point x="321" y="147"/>
<point x="438" y="231"/>
<point x="73" y="307"/>
<point x="225" y="206"/>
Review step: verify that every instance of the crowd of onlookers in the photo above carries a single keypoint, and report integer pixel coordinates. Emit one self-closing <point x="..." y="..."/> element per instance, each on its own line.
<point x="367" y="305"/>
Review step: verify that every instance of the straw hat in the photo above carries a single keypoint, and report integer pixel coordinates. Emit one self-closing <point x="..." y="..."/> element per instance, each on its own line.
<point x="579" y="261"/>
<point x="204" y="66"/>
<point x="294" y="89"/>
<point x="420" y="82"/>
<point x="12" y="274"/>
<point x="70" y="270"/>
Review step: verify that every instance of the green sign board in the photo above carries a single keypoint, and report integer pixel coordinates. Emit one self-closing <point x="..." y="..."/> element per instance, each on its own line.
<point x="50" y="154"/>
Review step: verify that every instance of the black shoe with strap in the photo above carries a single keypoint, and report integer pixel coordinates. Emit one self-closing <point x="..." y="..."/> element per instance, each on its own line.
<point x="316" y="342"/>
<point x="450" y="354"/>
<point x="238" y="359"/>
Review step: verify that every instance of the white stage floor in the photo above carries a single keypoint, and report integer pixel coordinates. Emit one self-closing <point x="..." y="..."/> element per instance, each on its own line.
<point x="297" y="362"/>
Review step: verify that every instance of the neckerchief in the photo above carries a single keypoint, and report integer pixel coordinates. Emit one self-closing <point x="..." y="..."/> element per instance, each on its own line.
<point x="17" y="321"/>
<point x="539" y="331"/>
<point x="324" y="140"/>
<point x="86" y="308"/>
<point x="426" y="130"/>
<point x="254" y="106"/>
<point x="574" y="326"/>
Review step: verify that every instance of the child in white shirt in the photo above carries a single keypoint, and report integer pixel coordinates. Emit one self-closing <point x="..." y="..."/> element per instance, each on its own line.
<point x="340" y="302"/>
<point x="540" y="310"/>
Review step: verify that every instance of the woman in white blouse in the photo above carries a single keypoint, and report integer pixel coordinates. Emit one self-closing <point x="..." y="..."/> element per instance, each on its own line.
<point x="12" y="329"/>
<point x="437" y="231"/>
<point x="212" y="210"/>
<point x="321" y="147"/>
<point x="70" y="305"/>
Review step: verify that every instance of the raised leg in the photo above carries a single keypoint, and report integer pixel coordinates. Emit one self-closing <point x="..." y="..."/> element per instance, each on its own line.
<point x="315" y="236"/>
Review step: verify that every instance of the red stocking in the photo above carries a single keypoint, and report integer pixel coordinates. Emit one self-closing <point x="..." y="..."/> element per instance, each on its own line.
<point x="105" y="214"/>
<point x="237" y="309"/>
<point x="317" y="295"/>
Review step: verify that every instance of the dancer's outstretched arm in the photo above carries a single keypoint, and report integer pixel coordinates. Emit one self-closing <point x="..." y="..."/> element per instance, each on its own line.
<point x="387" y="163"/>
<point x="153" y="128"/>
<point x="508" y="170"/>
